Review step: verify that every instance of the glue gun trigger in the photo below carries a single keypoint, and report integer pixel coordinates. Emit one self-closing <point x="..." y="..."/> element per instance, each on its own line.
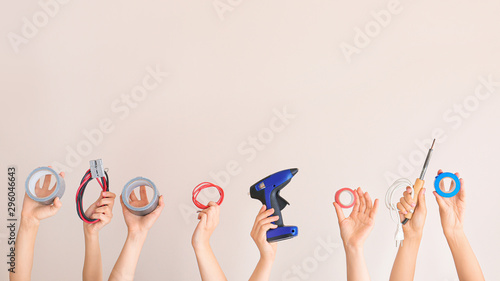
<point x="281" y="202"/>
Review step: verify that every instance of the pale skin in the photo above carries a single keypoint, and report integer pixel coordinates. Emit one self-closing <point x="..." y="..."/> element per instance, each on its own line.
<point x="31" y="215"/>
<point x="210" y="269"/>
<point x="138" y="228"/>
<point x="452" y="212"/>
<point x="263" y="223"/>
<point x="406" y="258"/>
<point x="102" y="209"/>
<point x="354" y="230"/>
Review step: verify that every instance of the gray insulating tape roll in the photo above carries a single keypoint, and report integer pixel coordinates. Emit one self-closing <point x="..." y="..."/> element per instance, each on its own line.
<point x="37" y="174"/>
<point x="130" y="186"/>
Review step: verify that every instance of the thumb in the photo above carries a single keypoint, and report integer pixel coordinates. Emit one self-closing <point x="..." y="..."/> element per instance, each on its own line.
<point x="340" y="213"/>
<point x="439" y="199"/>
<point x="55" y="206"/>
<point x="421" y="205"/>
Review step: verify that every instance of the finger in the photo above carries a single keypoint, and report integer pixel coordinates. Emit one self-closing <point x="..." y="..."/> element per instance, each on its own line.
<point x="263" y="230"/>
<point x="62" y="174"/>
<point x="160" y="207"/>
<point x="143" y="193"/>
<point x="374" y="211"/>
<point x="361" y="196"/>
<point x="461" y="192"/>
<point x="439" y="199"/>
<point x="401" y="208"/>
<point x="133" y="197"/>
<point x="103" y="210"/>
<point x="262" y="209"/>
<point x="340" y="213"/>
<point x="405" y="205"/>
<point x="214" y="206"/>
<point x="440" y="172"/>
<point x="104" y="219"/>
<point x="97" y="216"/>
<point x="268" y="220"/>
<point x="268" y="226"/>
<point x="108" y="194"/>
<point x="355" y="209"/>
<point x="369" y="203"/>
<point x="203" y="218"/>
<point x="105" y="201"/>
<point x="421" y="205"/>
<point x="56" y="205"/>
<point x="264" y="214"/>
<point x="46" y="182"/>
<point x="407" y="197"/>
<point x="441" y="185"/>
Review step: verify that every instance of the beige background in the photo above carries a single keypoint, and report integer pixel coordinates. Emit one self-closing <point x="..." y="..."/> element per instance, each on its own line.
<point x="353" y="122"/>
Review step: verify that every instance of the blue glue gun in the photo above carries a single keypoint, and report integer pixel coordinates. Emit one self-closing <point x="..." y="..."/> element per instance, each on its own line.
<point x="267" y="191"/>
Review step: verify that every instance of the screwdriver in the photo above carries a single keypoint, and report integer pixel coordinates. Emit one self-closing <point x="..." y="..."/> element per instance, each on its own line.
<point x="419" y="183"/>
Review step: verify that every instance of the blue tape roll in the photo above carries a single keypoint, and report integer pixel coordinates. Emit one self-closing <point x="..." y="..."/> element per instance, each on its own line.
<point x="37" y="174"/>
<point x="451" y="193"/>
<point x="130" y="186"/>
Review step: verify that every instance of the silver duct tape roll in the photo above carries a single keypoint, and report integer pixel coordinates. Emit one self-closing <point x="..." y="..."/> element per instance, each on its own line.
<point x="37" y="174"/>
<point x="130" y="186"/>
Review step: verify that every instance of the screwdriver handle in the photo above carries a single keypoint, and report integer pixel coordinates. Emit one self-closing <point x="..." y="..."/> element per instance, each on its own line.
<point x="416" y="190"/>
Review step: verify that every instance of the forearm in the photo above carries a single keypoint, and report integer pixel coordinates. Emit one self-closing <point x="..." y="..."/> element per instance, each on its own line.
<point x="126" y="264"/>
<point x="92" y="266"/>
<point x="466" y="263"/>
<point x="406" y="260"/>
<point x="356" y="265"/>
<point x="262" y="271"/>
<point x="25" y="248"/>
<point x="210" y="269"/>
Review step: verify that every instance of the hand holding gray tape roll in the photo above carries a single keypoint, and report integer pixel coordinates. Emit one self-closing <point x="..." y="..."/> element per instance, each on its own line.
<point x="32" y="183"/>
<point x="144" y="209"/>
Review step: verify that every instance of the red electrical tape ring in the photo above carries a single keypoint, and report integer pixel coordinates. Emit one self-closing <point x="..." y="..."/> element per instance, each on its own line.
<point x="202" y="186"/>
<point x="353" y="197"/>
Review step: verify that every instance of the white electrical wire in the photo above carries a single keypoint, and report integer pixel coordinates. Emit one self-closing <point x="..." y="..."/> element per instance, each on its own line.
<point x="393" y="208"/>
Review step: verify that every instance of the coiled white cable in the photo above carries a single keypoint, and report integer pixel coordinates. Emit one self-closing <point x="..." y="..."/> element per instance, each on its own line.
<point x="393" y="208"/>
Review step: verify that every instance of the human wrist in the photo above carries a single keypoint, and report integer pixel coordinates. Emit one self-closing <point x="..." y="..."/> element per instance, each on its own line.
<point x="414" y="236"/>
<point x="267" y="256"/>
<point x="353" y="248"/>
<point x="137" y="234"/>
<point x="29" y="221"/>
<point x="201" y="245"/>
<point x="89" y="232"/>
<point x="452" y="231"/>
<point x="455" y="238"/>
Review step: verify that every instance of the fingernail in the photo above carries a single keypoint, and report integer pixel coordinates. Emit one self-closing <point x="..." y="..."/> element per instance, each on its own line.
<point x="405" y="212"/>
<point x="413" y="204"/>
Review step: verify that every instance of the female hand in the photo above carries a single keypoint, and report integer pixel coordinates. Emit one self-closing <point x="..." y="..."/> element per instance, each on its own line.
<point x="263" y="223"/>
<point x="102" y="210"/>
<point x="137" y="223"/>
<point x="355" y="229"/>
<point x="451" y="210"/>
<point x="36" y="211"/>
